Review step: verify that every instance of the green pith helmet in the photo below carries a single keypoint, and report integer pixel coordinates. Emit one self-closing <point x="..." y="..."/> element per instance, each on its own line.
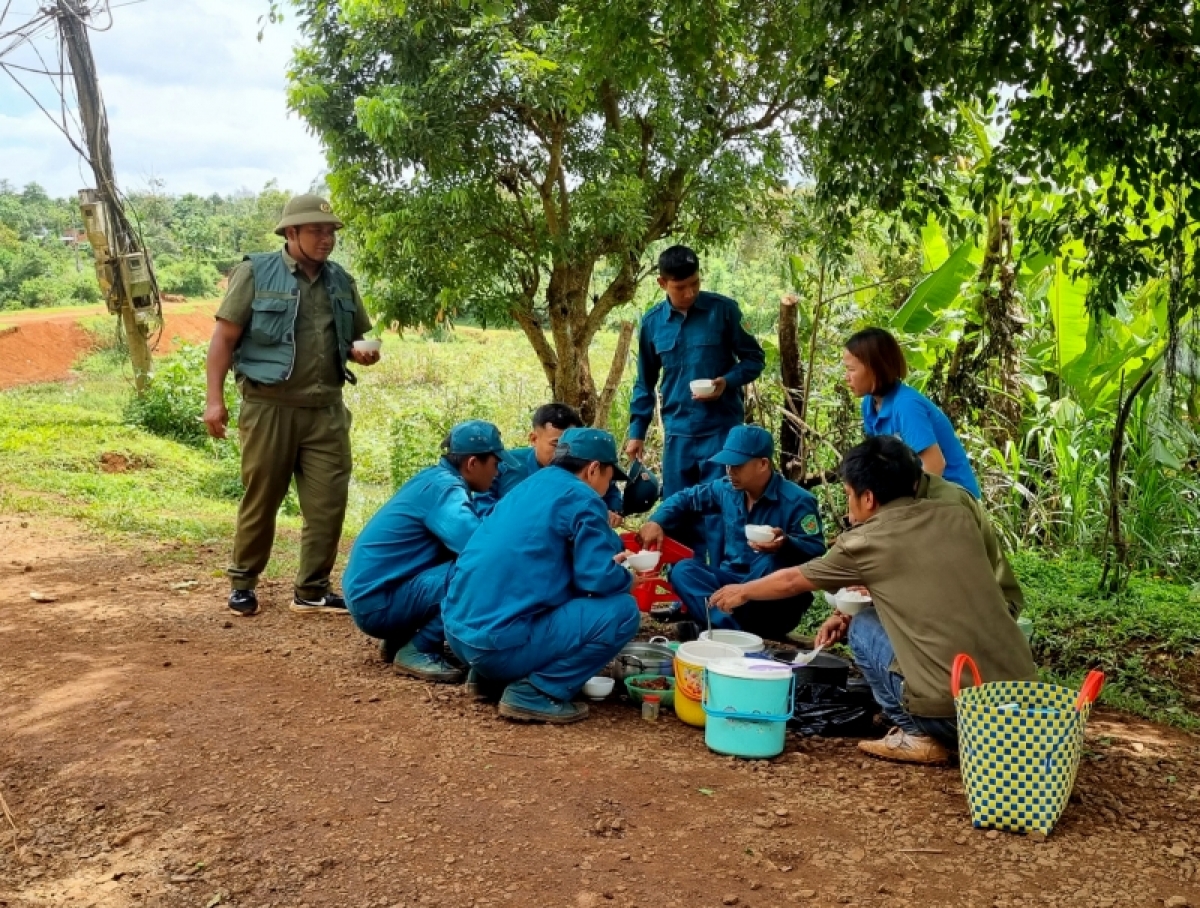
<point x="307" y="209"/>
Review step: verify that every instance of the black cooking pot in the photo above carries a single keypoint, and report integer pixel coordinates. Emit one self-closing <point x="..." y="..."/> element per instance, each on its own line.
<point x="824" y="669"/>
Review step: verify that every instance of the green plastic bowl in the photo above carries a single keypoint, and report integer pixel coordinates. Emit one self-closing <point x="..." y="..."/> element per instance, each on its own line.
<point x="636" y="692"/>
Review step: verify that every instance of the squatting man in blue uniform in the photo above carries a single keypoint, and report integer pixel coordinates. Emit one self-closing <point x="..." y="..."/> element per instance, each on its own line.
<point x="549" y="423"/>
<point x="691" y="335"/>
<point x="400" y="565"/>
<point x="539" y="601"/>
<point x="752" y="493"/>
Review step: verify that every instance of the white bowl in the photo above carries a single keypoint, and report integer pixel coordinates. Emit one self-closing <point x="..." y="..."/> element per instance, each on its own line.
<point x="368" y="346"/>
<point x="643" y="561"/>
<point x="759" y="533"/>
<point x="703" y="387"/>
<point x="598" y="688"/>
<point x="849" y="603"/>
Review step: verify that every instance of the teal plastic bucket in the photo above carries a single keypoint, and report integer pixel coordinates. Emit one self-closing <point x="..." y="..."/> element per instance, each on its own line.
<point x="748" y="703"/>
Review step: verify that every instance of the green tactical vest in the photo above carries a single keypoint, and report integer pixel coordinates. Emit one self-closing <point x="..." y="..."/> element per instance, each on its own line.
<point x="266" y="352"/>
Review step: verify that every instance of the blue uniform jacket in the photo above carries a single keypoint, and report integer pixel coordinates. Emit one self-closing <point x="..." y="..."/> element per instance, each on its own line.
<point x="783" y="504"/>
<point x="916" y="420"/>
<point x="510" y="477"/>
<point x="426" y="523"/>
<point x="706" y="342"/>
<point x="547" y="542"/>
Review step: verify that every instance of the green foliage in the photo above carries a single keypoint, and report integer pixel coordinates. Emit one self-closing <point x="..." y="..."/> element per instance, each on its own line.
<point x="1094" y="101"/>
<point x="188" y="278"/>
<point x="193" y="240"/>
<point x="1146" y="641"/>
<point x="173" y="402"/>
<point x="214" y="231"/>
<point x="489" y="159"/>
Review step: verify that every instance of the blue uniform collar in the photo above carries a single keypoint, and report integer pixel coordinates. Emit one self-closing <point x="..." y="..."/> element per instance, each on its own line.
<point x="701" y="304"/>
<point x="770" y="493"/>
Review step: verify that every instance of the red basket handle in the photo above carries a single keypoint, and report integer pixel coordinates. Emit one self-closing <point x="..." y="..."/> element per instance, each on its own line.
<point x="961" y="661"/>
<point x="1092" y="685"/>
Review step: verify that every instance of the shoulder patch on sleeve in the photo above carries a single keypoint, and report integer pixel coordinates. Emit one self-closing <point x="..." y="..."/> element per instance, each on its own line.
<point x="810" y="525"/>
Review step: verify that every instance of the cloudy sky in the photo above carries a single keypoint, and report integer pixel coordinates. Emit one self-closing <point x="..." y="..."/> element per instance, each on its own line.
<point x="193" y="100"/>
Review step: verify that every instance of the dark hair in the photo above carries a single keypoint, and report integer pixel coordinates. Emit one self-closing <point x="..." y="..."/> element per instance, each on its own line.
<point x="884" y="466"/>
<point x="560" y="416"/>
<point x="878" y="351"/>
<point x="573" y="465"/>
<point x="678" y="263"/>
<point x="457" y="460"/>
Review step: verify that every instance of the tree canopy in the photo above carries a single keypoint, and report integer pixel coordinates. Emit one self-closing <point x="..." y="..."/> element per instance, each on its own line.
<point x="1095" y="100"/>
<point x="489" y="156"/>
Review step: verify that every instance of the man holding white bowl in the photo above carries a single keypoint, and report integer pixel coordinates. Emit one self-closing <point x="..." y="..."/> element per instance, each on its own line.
<point x="768" y="522"/>
<point x="934" y="594"/>
<point x="695" y="343"/>
<point x="290" y="323"/>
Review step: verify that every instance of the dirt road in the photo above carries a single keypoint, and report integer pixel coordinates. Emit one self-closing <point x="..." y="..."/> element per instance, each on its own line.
<point x="157" y="751"/>
<point x="38" y="345"/>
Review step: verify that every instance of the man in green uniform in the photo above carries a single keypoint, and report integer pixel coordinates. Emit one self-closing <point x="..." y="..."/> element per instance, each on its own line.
<point x="934" y="592"/>
<point x="287" y="328"/>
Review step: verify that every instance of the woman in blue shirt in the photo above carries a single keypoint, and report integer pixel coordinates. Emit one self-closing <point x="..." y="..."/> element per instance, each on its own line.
<point x="875" y="371"/>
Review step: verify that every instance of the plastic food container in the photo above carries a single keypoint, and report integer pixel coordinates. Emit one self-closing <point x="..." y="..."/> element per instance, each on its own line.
<point x="744" y="642"/>
<point x="690" y="661"/>
<point x="748" y="703"/>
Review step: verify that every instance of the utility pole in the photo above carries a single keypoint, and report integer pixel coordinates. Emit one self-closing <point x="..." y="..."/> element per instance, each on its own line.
<point x="123" y="266"/>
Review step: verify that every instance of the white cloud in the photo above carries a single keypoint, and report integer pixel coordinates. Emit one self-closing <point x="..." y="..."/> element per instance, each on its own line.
<point x="193" y="99"/>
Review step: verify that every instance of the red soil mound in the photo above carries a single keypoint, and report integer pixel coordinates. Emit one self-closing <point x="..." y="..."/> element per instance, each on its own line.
<point x="38" y="347"/>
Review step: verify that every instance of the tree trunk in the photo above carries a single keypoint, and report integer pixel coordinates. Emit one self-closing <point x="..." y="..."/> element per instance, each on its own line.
<point x="792" y="375"/>
<point x="615" y="373"/>
<point x="573" y="326"/>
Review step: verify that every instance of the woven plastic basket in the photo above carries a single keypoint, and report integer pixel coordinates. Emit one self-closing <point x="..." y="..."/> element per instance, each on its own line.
<point x="1019" y="747"/>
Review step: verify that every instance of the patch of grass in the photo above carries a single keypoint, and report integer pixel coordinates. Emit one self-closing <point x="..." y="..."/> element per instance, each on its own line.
<point x="58" y="443"/>
<point x="1146" y="641"/>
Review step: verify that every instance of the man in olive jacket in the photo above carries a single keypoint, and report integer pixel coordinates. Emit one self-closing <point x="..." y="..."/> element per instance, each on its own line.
<point x="287" y="328"/>
<point x="934" y="593"/>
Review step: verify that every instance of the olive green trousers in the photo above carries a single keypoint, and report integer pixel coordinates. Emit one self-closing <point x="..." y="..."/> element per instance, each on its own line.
<point x="311" y="444"/>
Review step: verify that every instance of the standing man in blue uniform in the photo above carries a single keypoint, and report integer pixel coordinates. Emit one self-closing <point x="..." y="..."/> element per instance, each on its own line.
<point x="549" y="423"/>
<point x="753" y="493"/>
<point x="400" y="565"/>
<point x="539" y="601"/>
<point x="692" y="334"/>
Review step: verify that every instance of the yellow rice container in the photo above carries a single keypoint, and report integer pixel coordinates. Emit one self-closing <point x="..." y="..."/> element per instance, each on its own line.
<point x="690" y="661"/>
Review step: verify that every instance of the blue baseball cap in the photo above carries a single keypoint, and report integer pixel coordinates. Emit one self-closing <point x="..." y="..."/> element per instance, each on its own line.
<point x="475" y="436"/>
<point x="743" y="444"/>
<point x="592" y="444"/>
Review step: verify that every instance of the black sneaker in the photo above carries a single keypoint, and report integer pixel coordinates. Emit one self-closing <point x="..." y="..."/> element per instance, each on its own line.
<point x="243" y="603"/>
<point x="329" y="604"/>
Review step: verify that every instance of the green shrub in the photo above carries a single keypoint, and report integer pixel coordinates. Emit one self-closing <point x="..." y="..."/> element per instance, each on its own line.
<point x="65" y="289"/>
<point x="188" y="278"/>
<point x="173" y="404"/>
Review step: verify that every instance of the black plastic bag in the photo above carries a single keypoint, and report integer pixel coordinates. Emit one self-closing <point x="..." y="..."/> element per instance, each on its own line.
<point x="829" y="711"/>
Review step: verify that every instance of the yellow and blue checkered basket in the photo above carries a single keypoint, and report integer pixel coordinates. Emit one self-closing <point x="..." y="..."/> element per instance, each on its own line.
<point x="1019" y="747"/>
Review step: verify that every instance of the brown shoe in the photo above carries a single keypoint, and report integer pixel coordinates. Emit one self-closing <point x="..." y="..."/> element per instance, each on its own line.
<point x="902" y="747"/>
